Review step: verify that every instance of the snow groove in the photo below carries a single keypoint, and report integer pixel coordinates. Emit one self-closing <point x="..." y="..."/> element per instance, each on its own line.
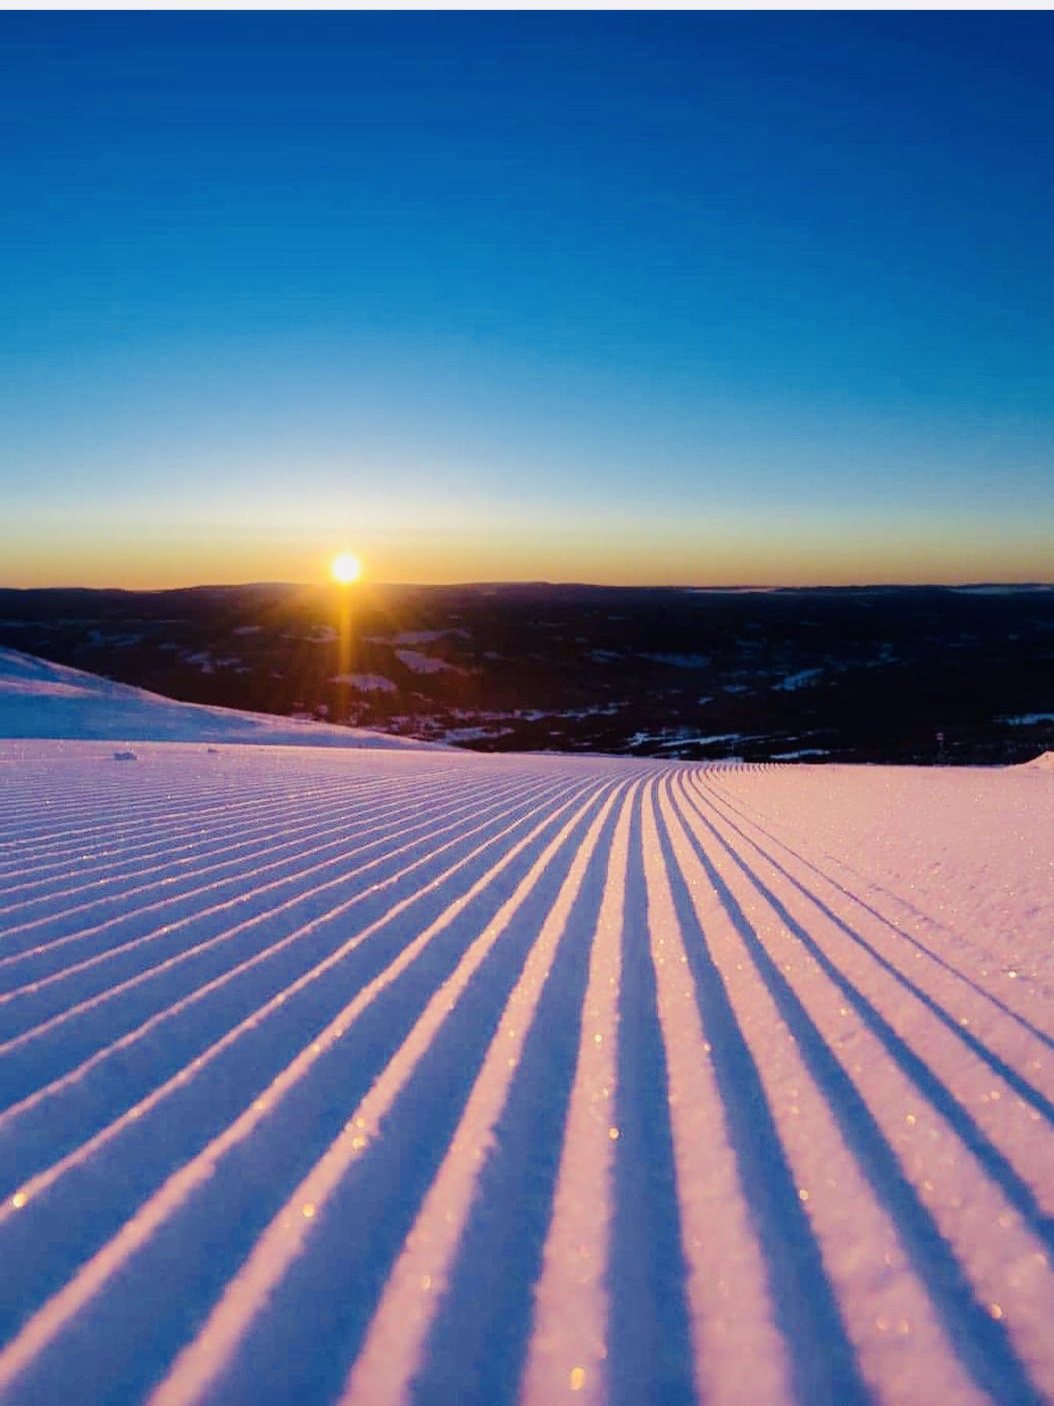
<point x="367" y="1078"/>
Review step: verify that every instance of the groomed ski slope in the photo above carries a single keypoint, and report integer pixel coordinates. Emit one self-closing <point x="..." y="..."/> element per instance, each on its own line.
<point x="370" y="1077"/>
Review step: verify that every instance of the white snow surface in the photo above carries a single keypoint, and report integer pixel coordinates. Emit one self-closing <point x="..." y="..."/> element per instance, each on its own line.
<point x="678" y="661"/>
<point x="419" y="663"/>
<point x="41" y="699"/>
<point x="802" y="679"/>
<point x="359" y="1077"/>
<point x="367" y="683"/>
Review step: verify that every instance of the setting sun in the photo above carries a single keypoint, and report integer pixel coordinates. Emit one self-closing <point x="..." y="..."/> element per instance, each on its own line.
<point x="345" y="568"/>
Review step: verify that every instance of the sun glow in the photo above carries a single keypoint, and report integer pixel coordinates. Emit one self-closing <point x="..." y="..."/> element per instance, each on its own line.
<point x="345" y="568"/>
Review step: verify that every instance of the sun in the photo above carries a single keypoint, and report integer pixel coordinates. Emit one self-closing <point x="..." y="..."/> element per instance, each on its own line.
<point x="345" y="568"/>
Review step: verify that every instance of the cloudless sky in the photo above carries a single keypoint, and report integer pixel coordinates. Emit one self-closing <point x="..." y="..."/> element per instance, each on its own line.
<point x="690" y="297"/>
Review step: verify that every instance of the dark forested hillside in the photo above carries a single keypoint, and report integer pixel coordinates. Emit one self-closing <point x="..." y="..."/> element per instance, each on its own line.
<point x="893" y="674"/>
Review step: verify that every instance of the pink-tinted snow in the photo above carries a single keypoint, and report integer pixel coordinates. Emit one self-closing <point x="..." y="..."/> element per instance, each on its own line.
<point x="371" y="1077"/>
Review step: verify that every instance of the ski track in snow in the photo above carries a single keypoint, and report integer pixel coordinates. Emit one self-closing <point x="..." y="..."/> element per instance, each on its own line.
<point x="365" y="1078"/>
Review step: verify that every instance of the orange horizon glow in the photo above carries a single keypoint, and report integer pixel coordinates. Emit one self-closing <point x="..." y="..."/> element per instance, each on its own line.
<point x="727" y="556"/>
<point x="177" y="580"/>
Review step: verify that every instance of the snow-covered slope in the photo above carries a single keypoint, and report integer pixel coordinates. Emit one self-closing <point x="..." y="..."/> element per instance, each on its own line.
<point x="41" y="699"/>
<point x="386" y="1077"/>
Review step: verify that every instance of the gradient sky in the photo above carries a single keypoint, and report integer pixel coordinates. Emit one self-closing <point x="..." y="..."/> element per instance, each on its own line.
<point x="684" y="298"/>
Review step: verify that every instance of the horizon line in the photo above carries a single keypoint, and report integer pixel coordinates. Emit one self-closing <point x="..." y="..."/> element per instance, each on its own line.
<point x="509" y="583"/>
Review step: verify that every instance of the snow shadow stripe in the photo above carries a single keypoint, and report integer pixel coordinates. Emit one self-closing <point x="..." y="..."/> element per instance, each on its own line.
<point x="982" y="1342"/>
<point x="822" y="1359"/>
<point x="377" y="1029"/>
<point x="995" y="1162"/>
<point x="312" y="1327"/>
<point x="713" y="797"/>
<point x="477" y="1347"/>
<point x="649" y="1336"/>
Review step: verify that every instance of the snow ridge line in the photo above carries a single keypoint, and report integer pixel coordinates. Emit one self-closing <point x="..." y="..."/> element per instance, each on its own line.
<point x="729" y="1297"/>
<point x="56" y="1313"/>
<point x="188" y="920"/>
<point x="202" y="1362"/>
<point x="219" y="811"/>
<point x="797" y="1174"/>
<point x="246" y="880"/>
<point x="272" y="947"/>
<point x="966" y="1305"/>
<point x="250" y="876"/>
<point x="399" y="1327"/>
<point x="289" y="818"/>
<point x="973" y="998"/>
<point x="962" y="937"/>
<point x="568" y="1343"/>
<point x="178" y="1008"/>
<point x="132" y="814"/>
<point x="849" y="897"/>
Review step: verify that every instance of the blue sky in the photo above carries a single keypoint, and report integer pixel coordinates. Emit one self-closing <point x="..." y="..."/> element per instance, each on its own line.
<point x="698" y="298"/>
